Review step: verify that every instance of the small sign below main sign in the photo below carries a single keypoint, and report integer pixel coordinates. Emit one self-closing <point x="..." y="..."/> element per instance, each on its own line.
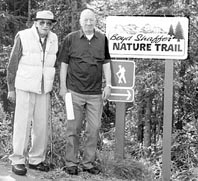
<point x="121" y="94"/>
<point x="123" y="73"/>
<point x="123" y="80"/>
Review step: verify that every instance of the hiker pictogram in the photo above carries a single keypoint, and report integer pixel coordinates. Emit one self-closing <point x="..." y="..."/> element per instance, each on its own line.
<point x="121" y="74"/>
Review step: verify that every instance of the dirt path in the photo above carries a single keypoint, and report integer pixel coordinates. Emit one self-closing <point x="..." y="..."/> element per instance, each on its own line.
<point x="6" y="174"/>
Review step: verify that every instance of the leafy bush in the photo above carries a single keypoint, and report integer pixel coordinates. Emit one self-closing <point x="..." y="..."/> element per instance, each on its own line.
<point x="5" y="133"/>
<point x="4" y="57"/>
<point x="184" y="152"/>
<point x="126" y="169"/>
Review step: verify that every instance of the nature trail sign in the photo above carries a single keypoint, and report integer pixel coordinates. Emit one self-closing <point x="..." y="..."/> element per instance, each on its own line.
<point x="148" y="37"/>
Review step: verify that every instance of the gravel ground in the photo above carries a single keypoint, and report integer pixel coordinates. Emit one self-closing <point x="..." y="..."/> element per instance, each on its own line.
<point x="56" y="175"/>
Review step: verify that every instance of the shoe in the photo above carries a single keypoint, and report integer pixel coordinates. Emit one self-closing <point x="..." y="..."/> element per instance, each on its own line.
<point x="71" y="170"/>
<point x="41" y="167"/>
<point x="93" y="170"/>
<point x="19" y="169"/>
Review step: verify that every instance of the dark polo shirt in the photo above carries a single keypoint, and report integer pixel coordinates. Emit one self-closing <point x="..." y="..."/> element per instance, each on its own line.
<point x="85" y="59"/>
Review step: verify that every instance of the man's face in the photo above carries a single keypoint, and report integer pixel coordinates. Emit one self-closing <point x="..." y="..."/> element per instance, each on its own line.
<point x="43" y="26"/>
<point x="87" y="21"/>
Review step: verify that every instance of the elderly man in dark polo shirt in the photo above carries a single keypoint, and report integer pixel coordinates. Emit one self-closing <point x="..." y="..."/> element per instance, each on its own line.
<point x="84" y="57"/>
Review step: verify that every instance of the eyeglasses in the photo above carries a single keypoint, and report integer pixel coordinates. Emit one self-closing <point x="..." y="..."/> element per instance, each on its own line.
<point x="90" y="20"/>
<point x="48" y="23"/>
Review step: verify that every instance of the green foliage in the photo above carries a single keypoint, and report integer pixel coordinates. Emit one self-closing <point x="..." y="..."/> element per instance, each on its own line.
<point x="184" y="153"/>
<point x="14" y="17"/>
<point x="4" y="55"/>
<point x="127" y="169"/>
<point x="57" y="136"/>
<point x="5" y="133"/>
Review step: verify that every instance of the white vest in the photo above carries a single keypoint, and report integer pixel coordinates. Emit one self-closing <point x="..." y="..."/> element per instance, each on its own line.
<point x="34" y="64"/>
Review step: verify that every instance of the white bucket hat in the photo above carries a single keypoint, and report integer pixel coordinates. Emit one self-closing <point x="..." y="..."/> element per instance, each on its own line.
<point x="45" y="15"/>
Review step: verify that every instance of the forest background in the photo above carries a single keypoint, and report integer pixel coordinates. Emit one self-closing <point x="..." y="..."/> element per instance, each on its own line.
<point x="144" y="116"/>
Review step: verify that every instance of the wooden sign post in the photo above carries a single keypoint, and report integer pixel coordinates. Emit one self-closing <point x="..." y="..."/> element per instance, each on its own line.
<point x="123" y="80"/>
<point x="120" y="126"/>
<point x="167" y="124"/>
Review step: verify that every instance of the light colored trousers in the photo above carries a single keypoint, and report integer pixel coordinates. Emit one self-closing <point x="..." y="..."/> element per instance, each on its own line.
<point x="91" y="106"/>
<point x="31" y="114"/>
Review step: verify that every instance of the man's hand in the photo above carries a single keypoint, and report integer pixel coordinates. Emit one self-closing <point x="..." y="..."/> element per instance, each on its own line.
<point x="106" y="93"/>
<point x="62" y="92"/>
<point x="12" y="96"/>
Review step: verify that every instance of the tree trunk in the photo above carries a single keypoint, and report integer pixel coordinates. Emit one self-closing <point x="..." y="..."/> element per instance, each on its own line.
<point x="28" y="24"/>
<point x="140" y="133"/>
<point x="77" y="6"/>
<point x="147" y="126"/>
<point x="179" y="124"/>
<point x="75" y="21"/>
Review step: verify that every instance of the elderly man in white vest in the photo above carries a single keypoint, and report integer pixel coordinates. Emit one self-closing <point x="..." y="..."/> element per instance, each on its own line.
<point x="30" y="76"/>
